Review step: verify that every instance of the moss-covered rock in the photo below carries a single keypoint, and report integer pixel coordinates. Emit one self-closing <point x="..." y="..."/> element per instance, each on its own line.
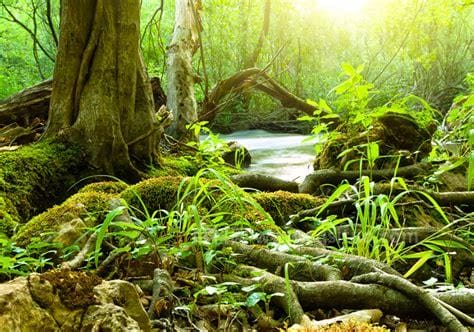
<point x="154" y="194"/>
<point x="88" y="206"/>
<point x="400" y="138"/>
<point x="108" y="187"/>
<point x="281" y="204"/>
<point x="35" y="177"/>
<point x="9" y="217"/>
<point x="175" y="166"/>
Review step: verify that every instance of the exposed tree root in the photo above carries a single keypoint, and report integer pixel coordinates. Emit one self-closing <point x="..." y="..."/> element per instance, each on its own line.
<point x="352" y="265"/>
<point x="298" y="267"/>
<point x="264" y="182"/>
<point x="313" y="181"/>
<point x="81" y="256"/>
<point x="414" y="292"/>
<point x="272" y="284"/>
<point x="336" y="294"/>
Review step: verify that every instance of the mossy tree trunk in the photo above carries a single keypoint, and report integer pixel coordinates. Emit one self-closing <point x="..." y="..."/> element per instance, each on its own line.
<point x="181" y="79"/>
<point x="102" y="98"/>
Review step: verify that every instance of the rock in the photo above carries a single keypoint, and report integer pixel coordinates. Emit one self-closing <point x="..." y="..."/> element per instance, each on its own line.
<point x="108" y="317"/>
<point x="70" y="231"/>
<point x="63" y="300"/>
<point x="397" y="135"/>
<point x="125" y="295"/>
<point x="237" y="155"/>
<point x="18" y="310"/>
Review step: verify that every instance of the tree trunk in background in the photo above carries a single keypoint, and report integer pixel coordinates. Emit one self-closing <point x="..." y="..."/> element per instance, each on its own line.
<point x="102" y="98"/>
<point x="181" y="100"/>
<point x="252" y="60"/>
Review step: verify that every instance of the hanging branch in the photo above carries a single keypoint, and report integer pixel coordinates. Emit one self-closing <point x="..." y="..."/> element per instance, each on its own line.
<point x="32" y="33"/>
<point x="251" y="62"/>
<point x="49" y="19"/>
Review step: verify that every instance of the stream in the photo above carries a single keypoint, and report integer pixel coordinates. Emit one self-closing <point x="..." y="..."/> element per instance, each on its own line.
<point x="284" y="156"/>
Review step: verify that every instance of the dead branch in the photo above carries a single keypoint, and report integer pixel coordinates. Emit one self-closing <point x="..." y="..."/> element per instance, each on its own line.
<point x="81" y="256"/>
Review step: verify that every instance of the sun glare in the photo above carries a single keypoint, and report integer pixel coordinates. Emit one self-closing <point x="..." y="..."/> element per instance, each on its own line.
<point x="342" y="6"/>
<point x="338" y="8"/>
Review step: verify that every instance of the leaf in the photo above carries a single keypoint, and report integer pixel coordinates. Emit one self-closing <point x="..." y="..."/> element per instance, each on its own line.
<point x="423" y="258"/>
<point x="335" y="195"/>
<point x="254" y="298"/>
<point x="348" y="69"/>
<point x="103" y="229"/>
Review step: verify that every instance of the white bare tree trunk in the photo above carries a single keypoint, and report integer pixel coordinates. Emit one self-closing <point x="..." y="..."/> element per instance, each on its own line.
<point x="181" y="100"/>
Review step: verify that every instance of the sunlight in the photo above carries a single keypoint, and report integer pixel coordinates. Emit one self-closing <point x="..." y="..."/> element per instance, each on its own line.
<point x="338" y="8"/>
<point x="343" y="7"/>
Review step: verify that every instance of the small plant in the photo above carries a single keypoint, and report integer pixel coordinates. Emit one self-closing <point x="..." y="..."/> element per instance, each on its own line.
<point x="18" y="261"/>
<point x="209" y="151"/>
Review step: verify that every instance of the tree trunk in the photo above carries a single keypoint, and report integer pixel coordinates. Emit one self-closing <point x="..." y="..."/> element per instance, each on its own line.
<point x="102" y="98"/>
<point x="181" y="100"/>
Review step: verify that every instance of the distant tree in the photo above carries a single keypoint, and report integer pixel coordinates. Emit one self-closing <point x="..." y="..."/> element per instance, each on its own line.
<point x="181" y="77"/>
<point x="102" y="98"/>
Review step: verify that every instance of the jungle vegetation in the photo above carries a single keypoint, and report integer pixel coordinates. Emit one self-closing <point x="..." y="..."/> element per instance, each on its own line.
<point x="104" y="177"/>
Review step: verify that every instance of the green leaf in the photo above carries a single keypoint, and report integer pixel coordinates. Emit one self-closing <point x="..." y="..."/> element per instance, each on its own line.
<point x="103" y="230"/>
<point x="254" y="298"/>
<point x="348" y="69"/>
<point x="423" y="258"/>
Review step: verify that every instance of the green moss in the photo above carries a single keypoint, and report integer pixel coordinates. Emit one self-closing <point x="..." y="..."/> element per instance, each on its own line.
<point x="34" y="177"/>
<point x="155" y="193"/>
<point x="281" y="204"/>
<point x="175" y="166"/>
<point x="89" y="206"/>
<point x="8" y="217"/>
<point x="108" y="187"/>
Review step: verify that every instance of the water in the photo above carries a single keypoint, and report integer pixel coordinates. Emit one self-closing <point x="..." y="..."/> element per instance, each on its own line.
<point x="284" y="156"/>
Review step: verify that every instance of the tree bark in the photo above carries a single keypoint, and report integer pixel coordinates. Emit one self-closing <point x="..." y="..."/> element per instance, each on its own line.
<point x="181" y="79"/>
<point x="102" y="98"/>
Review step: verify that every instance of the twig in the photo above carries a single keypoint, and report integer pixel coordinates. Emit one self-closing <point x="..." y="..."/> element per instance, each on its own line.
<point x="81" y="256"/>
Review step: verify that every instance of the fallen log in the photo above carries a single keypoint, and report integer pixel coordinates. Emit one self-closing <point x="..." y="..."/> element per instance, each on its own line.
<point x="33" y="103"/>
<point x="254" y="79"/>
<point x="28" y="104"/>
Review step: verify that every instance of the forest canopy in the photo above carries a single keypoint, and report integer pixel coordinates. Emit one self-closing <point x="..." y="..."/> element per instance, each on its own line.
<point x="419" y="47"/>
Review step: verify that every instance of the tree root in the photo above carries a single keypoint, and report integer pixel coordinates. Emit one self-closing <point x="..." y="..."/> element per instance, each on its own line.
<point x="416" y="293"/>
<point x="298" y="267"/>
<point x="272" y="284"/>
<point x="264" y="182"/>
<point x="340" y="294"/>
<point x="352" y="265"/>
<point x="162" y="295"/>
<point x="313" y="181"/>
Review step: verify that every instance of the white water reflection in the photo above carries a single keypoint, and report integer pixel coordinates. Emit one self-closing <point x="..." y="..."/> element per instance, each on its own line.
<point x="285" y="156"/>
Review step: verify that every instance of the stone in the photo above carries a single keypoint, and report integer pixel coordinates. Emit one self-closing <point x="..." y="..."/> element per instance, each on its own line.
<point x="125" y="295"/>
<point x="237" y="155"/>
